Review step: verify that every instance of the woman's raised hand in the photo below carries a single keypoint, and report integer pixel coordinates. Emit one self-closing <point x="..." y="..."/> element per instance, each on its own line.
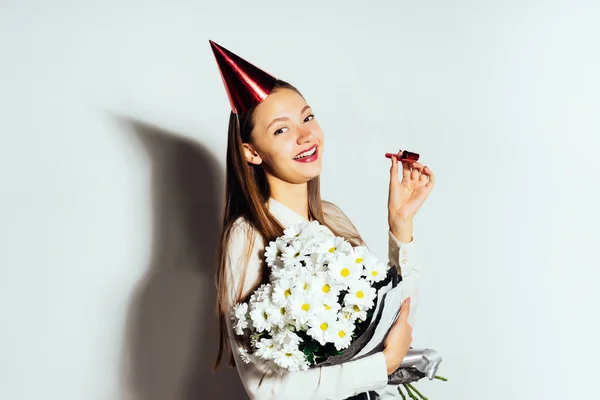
<point x="398" y="340"/>
<point x="406" y="196"/>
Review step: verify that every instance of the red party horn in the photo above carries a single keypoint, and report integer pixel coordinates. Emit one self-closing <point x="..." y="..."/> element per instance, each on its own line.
<point x="405" y="156"/>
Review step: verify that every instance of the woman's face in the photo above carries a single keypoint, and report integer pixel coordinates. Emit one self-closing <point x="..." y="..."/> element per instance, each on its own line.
<point x="286" y="139"/>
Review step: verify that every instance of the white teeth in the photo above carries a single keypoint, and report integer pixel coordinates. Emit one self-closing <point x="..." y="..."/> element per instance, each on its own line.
<point x="306" y="154"/>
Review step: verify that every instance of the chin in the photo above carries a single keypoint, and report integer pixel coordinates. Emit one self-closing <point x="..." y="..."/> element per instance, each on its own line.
<point x="314" y="175"/>
<point x="307" y="172"/>
<point x="305" y="177"/>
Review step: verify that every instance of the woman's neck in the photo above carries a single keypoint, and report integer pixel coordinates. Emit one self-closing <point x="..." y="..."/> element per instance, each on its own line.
<point x="293" y="196"/>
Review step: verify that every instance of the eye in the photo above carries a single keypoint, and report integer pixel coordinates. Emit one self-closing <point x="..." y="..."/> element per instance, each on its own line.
<point x="309" y="118"/>
<point x="280" y="131"/>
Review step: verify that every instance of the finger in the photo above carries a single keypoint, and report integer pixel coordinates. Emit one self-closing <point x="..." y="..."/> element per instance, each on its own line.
<point x="394" y="172"/>
<point x="404" y="310"/>
<point x="415" y="173"/>
<point x="416" y="165"/>
<point x="406" y="170"/>
<point x="431" y="177"/>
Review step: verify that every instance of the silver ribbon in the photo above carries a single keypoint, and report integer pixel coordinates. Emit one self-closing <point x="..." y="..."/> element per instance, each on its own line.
<point x="426" y="361"/>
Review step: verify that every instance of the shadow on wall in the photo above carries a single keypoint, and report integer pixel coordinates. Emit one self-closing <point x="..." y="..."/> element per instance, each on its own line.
<point x="171" y="333"/>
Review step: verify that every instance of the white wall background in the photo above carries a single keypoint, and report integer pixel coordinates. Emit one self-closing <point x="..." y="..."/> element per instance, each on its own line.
<point x="113" y="121"/>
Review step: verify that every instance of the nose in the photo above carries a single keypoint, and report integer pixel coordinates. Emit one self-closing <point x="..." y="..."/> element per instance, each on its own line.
<point x="305" y="135"/>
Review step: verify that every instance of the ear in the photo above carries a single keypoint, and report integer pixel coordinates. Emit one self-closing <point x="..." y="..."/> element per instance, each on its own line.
<point x="251" y="155"/>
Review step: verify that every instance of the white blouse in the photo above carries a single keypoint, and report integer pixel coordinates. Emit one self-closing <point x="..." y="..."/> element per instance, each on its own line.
<point x="330" y="382"/>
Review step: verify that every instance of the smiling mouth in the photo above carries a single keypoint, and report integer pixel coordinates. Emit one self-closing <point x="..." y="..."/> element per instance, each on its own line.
<point x="305" y="154"/>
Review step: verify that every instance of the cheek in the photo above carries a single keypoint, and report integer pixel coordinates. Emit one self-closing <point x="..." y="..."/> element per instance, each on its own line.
<point x="281" y="152"/>
<point x="318" y="132"/>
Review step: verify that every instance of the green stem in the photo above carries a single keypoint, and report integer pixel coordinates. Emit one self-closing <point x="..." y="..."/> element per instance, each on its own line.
<point x="410" y="393"/>
<point x="401" y="394"/>
<point x="417" y="392"/>
<point x="441" y="378"/>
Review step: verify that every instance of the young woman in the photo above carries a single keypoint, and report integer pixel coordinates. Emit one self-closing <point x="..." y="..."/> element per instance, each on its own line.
<point x="274" y="157"/>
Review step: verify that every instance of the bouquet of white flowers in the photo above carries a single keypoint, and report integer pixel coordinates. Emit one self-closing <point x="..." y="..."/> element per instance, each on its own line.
<point x="319" y="303"/>
<point x="320" y="288"/>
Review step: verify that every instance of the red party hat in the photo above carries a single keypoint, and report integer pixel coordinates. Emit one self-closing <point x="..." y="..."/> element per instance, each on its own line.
<point x="246" y="84"/>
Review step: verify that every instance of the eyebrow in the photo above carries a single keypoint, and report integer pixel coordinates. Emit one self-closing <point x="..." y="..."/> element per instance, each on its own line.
<point x="306" y="107"/>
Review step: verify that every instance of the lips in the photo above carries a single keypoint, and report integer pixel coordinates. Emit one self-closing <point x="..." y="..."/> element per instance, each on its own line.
<point x="311" y="158"/>
<point x="304" y="151"/>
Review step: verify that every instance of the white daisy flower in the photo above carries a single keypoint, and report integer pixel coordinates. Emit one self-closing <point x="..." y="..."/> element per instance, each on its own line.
<point x="240" y="318"/>
<point x="293" y="231"/>
<point x="316" y="262"/>
<point x="277" y="315"/>
<point x="265" y="348"/>
<point x="353" y="312"/>
<point x="346" y="314"/>
<point x="274" y="251"/>
<point x="286" y="336"/>
<point x="344" y="270"/>
<point x="283" y="288"/>
<point x="309" y="229"/>
<point x="292" y="255"/>
<point x="285" y="271"/>
<point x="329" y="307"/>
<point x="321" y="328"/>
<point x="325" y="285"/>
<point x="308" y="283"/>
<point x="303" y="307"/>
<point x="335" y="245"/>
<point x="375" y="271"/>
<point x="262" y="293"/>
<point x="363" y="256"/>
<point x="247" y="357"/>
<point x="291" y="358"/>
<point x="342" y="334"/>
<point x="360" y="293"/>
<point x="259" y="314"/>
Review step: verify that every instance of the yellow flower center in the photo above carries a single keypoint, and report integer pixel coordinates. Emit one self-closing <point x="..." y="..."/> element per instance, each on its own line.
<point x="287" y="292"/>
<point x="327" y="307"/>
<point x="282" y="310"/>
<point x="306" y="286"/>
<point x="326" y="289"/>
<point x="360" y="294"/>
<point x="345" y="272"/>
<point x="356" y="308"/>
<point x="288" y="354"/>
<point x="324" y="326"/>
<point x="374" y="273"/>
<point x="305" y="307"/>
<point x="332" y="250"/>
<point x="341" y="334"/>
<point x="296" y="255"/>
<point x="265" y="315"/>
<point x="359" y="260"/>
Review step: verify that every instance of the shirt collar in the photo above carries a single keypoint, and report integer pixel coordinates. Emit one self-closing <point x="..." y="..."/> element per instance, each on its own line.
<point x="285" y="215"/>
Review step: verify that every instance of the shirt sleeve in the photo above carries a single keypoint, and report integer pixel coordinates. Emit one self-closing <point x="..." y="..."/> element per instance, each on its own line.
<point x="327" y="383"/>
<point x="405" y="258"/>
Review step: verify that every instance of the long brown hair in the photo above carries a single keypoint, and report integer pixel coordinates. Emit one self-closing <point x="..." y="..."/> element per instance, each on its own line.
<point x="246" y="194"/>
